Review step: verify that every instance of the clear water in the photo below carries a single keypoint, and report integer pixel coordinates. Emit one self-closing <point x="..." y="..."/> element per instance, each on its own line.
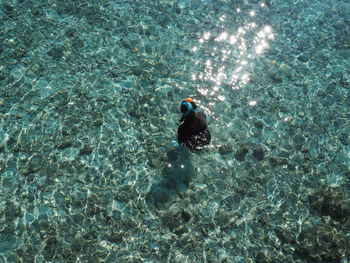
<point x="89" y="106"/>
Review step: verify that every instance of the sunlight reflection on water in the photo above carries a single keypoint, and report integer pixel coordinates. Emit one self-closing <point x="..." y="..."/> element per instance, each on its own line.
<point x="226" y="57"/>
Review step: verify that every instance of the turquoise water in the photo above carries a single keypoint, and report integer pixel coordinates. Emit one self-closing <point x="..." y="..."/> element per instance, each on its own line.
<point x="89" y="97"/>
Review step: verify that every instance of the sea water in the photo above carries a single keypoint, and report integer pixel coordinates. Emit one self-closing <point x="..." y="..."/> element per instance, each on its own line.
<point x="89" y="106"/>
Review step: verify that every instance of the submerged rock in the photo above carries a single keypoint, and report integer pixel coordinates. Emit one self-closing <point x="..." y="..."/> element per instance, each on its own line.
<point x="225" y="149"/>
<point x="331" y="201"/>
<point x="241" y="152"/>
<point x="258" y="153"/>
<point x="254" y="150"/>
<point x="323" y="243"/>
<point x="285" y="235"/>
<point x="177" y="221"/>
<point x="264" y="256"/>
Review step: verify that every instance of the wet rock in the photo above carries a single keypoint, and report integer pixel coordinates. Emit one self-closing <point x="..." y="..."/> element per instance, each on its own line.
<point x="241" y="152"/>
<point x="50" y="247"/>
<point x="299" y="139"/>
<point x="12" y="211"/>
<point x="285" y="235"/>
<point x="323" y="243"/>
<point x="79" y="244"/>
<point x="185" y="216"/>
<point x="71" y="32"/>
<point x="225" y="149"/>
<point x="258" y="153"/>
<point x="115" y="237"/>
<point x="259" y="124"/>
<point x="276" y="77"/>
<point x="305" y="57"/>
<point x="65" y="144"/>
<point x="177" y="221"/>
<point x="34" y="164"/>
<point x="60" y="99"/>
<point x="264" y="256"/>
<point x="344" y="138"/>
<point x="98" y="122"/>
<point x="19" y="53"/>
<point x="331" y="201"/>
<point x="86" y="150"/>
<point x="8" y="9"/>
<point x="56" y="53"/>
<point x="276" y="161"/>
<point x="2" y="165"/>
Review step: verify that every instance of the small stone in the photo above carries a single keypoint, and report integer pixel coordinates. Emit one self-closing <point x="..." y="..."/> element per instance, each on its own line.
<point x="299" y="139"/>
<point x="323" y="243"/>
<point x="259" y="124"/>
<point x="56" y="52"/>
<point x="137" y="71"/>
<point x="304" y="57"/>
<point x="176" y="221"/>
<point x="86" y="150"/>
<point x="241" y="152"/>
<point x="71" y="32"/>
<point x="258" y="153"/>
<point x="64" y="145"/>
<point x="344" y="139"/>
<point x="116" y="237"/>
<point x="2" y="165"/>
<point x="8" y="9"/>
<point x="225" y="149"/>
<point x="285" y="235"/>
<point x="275" y="77"/>
<point x="275" y="161"/>
<point x="263" y="256"/>
<point x="98" y="122"/>
<point x="185" y="216"/>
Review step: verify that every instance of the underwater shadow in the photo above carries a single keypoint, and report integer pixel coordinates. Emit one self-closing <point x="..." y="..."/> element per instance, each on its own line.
<point x="178" y="173"/>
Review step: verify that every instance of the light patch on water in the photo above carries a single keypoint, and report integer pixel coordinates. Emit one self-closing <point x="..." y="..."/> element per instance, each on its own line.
<point x="228" y="56"/>
<point x="44" y="88"/>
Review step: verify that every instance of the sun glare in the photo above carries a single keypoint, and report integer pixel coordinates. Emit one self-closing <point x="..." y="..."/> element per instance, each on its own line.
<point x="231" y="54"/>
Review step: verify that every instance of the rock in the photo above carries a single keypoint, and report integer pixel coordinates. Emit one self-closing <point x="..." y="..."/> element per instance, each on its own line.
<point x="2" y="165"/>
<point x="276" y="161"/>
<point x="241" y="152"/>
<point x="61" y="99"/>
<point x="304" y="57"/>
<point x="225" y="149"/>
<point x="34" y="164"/>
<point x="50" y="247"/>
<point x="8" y="9"/>
<point x="258" y="153"/>
<point x="65" y="144"/>
<point x="323" y="243"/>
<point x="259" y="124"/>
<point x="116" y="237"/>
<point x="79" y="244"/>
<point x="331" y="201"/>
<point x="11" y="211"/>
<point x="177" y="221"/>
<point x="86" y="150"/>
<point x="299" y="139"/>
<point x="285" y="235"/>
<point x="344" y="139"/>
<point x="264" y="256"/>
<point x="276" y="77"/>
<point x="56" y="52"/>
<point x="98" y="122"/>
<point x="71" y="32"/>
<point x="185" y="216"/>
